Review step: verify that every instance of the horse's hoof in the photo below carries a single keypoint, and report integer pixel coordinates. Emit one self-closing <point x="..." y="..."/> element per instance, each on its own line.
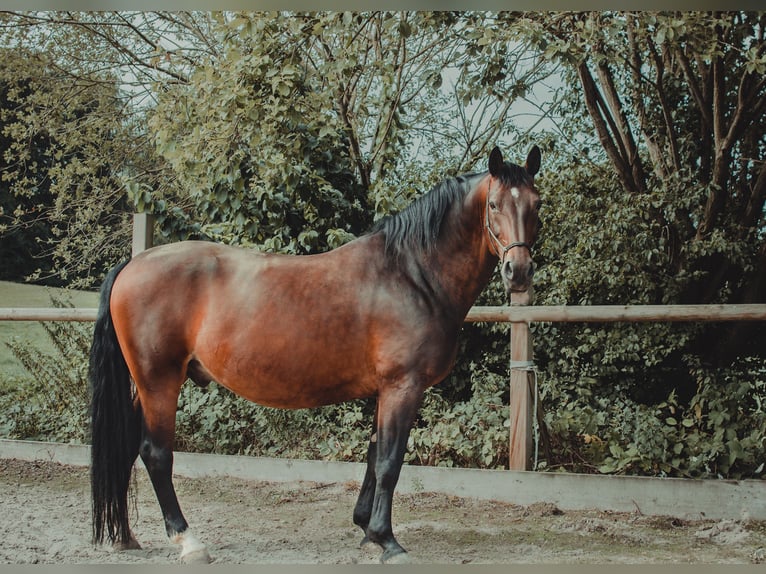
<point x="192" y="550"/>
<point x="131" y="544"/>
<point x="369" y="552"/>
<point x="396" y="557"/>
<point x="200" y="556"/>
<point x="366" y="542"/>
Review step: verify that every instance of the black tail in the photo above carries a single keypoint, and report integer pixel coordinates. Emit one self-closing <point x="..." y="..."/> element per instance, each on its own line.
<point x="115" y="426"/>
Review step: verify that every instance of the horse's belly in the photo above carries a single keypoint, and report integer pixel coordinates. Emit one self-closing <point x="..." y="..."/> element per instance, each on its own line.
<point x="294" y="392"/>
<point x="289" y="371"/>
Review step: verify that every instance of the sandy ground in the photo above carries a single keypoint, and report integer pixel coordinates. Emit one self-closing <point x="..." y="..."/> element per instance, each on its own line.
<point x="45" y="518"/>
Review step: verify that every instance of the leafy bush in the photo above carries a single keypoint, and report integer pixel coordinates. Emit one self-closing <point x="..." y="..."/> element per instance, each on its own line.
<point x="52" y="403"/>
<point x="719" y="433"/>
<point x="213" y="419"/>
<point x="471" y="433"/>
<point x="468" y="433"/>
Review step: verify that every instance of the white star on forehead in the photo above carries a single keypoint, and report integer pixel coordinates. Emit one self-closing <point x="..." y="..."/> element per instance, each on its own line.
<point x="515" y="192"/>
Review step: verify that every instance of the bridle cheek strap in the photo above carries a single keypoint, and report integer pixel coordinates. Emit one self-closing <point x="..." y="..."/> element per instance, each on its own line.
<point x="501" y="250"/>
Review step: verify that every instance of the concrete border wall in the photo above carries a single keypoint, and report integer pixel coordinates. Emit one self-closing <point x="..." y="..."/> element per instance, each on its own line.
<point x="682" y="498"/>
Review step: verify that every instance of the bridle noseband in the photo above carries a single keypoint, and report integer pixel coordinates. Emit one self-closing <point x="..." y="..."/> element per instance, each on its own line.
<point x="501" y="250"/>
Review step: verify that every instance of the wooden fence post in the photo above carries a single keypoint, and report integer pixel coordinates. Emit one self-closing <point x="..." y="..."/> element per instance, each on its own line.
<point x="521" y="448"/>
<point x="143" y="232"/>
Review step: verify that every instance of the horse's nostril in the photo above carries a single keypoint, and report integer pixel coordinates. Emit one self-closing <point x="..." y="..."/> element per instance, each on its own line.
<point x="531" y="270"/>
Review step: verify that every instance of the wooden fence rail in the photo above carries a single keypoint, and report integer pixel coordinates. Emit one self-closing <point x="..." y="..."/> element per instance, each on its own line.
<point x="47" y="314"/>
<point x="617" y="313"/>
<point x="499" y="314"/>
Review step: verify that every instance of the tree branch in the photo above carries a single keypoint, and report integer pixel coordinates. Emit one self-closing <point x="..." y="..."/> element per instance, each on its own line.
<point x="699" y="97"/>
<point x="716" y="196"/>
<point x="595" y="107"/>
<point x="719" y="98"/>
<point x="666" y="112"/>
<point x="343" y="100"/>
<point x="621" y="127"/>
<point x="655" y="151"/>
<point x="754" y="209"/>
<point x="748" y="105"/>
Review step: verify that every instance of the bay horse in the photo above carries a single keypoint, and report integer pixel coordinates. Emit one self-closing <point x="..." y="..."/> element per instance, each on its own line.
<point x="377" y="317"/>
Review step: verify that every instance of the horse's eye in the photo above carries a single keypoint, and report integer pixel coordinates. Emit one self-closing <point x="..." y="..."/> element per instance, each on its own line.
<point x="493" y="206"/>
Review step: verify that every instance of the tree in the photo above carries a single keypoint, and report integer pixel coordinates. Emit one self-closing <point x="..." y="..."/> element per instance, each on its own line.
<point x="58" y="146"/>
<point x="305" y="127"/>
<point x="381" y="84"/>
<point x="677" y="101"/>
<point x="20" y="250"/>
<point x="86" y="96"/>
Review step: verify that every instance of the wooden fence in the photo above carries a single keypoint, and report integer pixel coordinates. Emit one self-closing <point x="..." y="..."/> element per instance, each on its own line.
<point x="519" y="314"/>
<point x="501" y="314"/>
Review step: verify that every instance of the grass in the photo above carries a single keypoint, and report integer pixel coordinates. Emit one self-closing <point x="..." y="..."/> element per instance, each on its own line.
<point x="25" y="295"/>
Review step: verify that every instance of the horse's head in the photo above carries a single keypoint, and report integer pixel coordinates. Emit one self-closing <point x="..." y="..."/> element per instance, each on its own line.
<point x="511" y="217"/>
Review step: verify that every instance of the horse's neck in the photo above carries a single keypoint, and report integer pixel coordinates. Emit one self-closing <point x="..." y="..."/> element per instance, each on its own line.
<point x="461" y="264"/>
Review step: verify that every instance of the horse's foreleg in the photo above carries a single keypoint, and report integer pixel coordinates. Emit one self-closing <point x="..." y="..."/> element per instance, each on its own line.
<point x="157" y="453"/>
<point x="396" y="412"/>
<point x="363" y="508"/>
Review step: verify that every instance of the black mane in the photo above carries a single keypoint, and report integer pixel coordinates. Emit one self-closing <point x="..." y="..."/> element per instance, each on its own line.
<point x="417" y="226"/>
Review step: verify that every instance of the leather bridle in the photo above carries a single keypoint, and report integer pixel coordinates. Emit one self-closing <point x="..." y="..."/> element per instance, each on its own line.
<point x="500" y="249"/>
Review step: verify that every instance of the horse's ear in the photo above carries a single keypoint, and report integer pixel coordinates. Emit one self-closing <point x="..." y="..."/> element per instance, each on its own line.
<point x="495" y="162"/>
<point x="533" y="161"/>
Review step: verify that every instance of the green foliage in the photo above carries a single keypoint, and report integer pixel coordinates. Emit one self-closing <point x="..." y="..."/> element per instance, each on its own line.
<point x="215" y="420"/>
<point x="304" y="128"/>
<point x="720" y="432"/>
<point x="52" y="402"/>
<point x="254" y="149"/>
<point x="20" y="231"/>
<point x="646" y="207"/>
<point x="61" y="211"/>
<point x="621" y="261"/>
<point x="632" y="397"/>
<point x="469" y="433"/>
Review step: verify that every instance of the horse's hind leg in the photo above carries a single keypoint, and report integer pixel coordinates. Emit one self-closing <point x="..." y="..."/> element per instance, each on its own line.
<point x="157" y="454"/>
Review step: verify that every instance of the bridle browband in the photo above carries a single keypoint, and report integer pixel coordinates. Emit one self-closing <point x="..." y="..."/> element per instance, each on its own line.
<point x="501" y="250"/>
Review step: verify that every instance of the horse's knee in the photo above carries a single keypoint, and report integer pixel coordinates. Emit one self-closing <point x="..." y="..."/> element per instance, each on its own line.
<point x="157" y="459"/>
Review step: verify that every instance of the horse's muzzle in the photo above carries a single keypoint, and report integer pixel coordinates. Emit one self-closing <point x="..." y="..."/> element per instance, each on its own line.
<point x="517" y="275"/>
